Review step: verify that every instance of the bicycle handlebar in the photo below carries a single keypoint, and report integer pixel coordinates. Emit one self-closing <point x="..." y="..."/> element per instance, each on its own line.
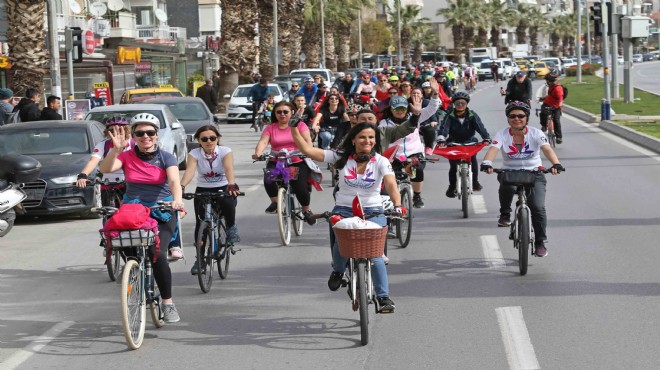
<point x="98" y="181"/>
<point x="218" y="194"/>
<point x="266" y="156"/>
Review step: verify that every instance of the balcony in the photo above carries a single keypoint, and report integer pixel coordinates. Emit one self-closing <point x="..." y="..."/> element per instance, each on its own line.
<point x="122" y="24"/>
<point x="160" y="33"/>
<point x="64" y="21"/>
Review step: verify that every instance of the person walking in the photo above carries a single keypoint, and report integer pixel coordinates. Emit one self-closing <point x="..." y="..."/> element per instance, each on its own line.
<point x="208" y="95"/>
<point x="28" y="107"/>
<point x="6" y="108"/>
<point x="51" y="110"/>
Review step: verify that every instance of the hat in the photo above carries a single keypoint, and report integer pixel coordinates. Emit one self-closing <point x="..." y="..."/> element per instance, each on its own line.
<point x="309" y="79"/>
<point x="394" y="78"/>
<point x="398" y="101"/>
<point x="426" y="84"/>
<point x="341" y="74"/>
<point x="6" y="93"/>
<point x="520" y="74"/>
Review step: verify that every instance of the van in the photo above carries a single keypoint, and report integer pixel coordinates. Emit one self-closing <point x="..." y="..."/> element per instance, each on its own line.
<point x="484" y="72"/>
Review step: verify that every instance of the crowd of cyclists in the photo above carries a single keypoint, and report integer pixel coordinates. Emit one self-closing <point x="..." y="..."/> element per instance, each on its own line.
<point x="349" y="124"/>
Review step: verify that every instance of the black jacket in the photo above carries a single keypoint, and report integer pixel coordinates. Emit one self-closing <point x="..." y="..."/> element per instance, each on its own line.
<point x="28" y="110"/>
<point x="518" y="91"/>
<point x="48" y="114"/>
<point x="454" y="131"/>
<point x="209" y="96"/>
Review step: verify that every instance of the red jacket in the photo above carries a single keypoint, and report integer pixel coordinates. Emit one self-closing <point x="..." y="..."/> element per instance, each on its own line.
<point x="555" y="96"/>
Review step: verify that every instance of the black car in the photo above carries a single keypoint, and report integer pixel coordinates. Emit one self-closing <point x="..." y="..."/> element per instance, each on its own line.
<point x="63" y="148"/>
<point x="193" y="113"/>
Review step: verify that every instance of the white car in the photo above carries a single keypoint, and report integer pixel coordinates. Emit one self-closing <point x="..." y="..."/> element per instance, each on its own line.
<point x="637" y="58"/>
<point x="559" y="65"/>
<point x="327" y="74"/>
<point x="239" y="108"/>
<point x="569" y="62"/>
<point x="619" y="59"/>
<point x="510" y="68"/>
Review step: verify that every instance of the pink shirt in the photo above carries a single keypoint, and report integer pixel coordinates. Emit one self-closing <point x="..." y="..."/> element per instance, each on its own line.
<point x="281" y="138"/>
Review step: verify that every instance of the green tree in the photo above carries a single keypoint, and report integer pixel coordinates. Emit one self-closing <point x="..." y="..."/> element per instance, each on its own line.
<point x="376" y="37"/>
<point x="537" y="22"/>
<point x="410" y="17"/>
<point x="455" y="15"/>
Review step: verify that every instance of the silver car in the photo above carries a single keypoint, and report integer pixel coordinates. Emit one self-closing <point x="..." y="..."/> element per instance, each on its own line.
<point x="171" y="136"/>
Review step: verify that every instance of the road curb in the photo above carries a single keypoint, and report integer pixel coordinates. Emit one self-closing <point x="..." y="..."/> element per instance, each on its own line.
<point x="639" y="138"/>
<point x="580" y="114"/>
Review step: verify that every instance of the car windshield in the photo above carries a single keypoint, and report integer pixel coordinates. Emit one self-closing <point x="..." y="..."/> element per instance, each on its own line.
<point x="102" y="116"/>
<point x="189" y="111"/>
<point x="299" y="79"/>
<point x="154" y="94"/>
<point x="54" y="141"/>
<point x="242" y="92"/>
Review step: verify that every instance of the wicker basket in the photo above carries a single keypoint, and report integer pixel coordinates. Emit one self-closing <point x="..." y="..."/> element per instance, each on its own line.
<point x="361" y="243"/>
<point x="133" y="238"/>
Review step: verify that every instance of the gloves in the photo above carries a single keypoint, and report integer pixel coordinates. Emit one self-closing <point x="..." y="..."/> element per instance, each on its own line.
<point x="485" y="167"/>
<point x="558" y="167"/>
<point x="232" y="187"/>
<point x="293" y="122"/>
<point x="414" y="161"/>
<point x="82" y="176"/>
<point x="486" y="141"/>
<point x="401" y="210"/>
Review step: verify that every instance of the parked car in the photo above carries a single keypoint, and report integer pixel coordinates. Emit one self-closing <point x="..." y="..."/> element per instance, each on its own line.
<point x="63" y="148"/>
<point x="139" y="95"/>
<point x="596" y="59"/>
<point x="637" y="58"/>
<point x="539" y="70"/>
<point x="557" y="63"/>
<point x="171" y="136"/>
<point x="647" y="57"/>
<point x="569" y="62"/>
<point x="193" y="113"/>
<point x="510" y="68"/>
<point x="239" y="109"/>
<point x="327" y="74"/>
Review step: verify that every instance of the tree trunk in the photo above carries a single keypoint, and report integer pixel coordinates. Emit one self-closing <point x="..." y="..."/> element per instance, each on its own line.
<point x="457" y="33"/>
<point x="468" y="38"/>
<point x="495" y="37"/>
<point x="290" y="34"/>
<point x="312" y="45"/>
<point x="482" y="37"/>
<point x="265" y="17"/>
<point x="520" y="34"/>
<point x="344" y="55"/>
<point x="238" y="51"/>
<point x="533" y="39"/>
<point x="28" y="54"/>
<point x="330" y="51"/>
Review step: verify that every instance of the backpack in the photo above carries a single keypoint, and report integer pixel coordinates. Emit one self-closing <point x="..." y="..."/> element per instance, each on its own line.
<point x="13" y="117"/>
<point x="565" y="91"/>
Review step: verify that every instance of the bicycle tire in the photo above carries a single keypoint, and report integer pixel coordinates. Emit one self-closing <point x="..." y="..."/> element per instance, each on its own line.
<point x="225" y="250"/>
<point x="363" y="301"/>
<point x="205" y="257"/>
<point x="523" y="240"/>
<point x="464" y="192"/>
<point x="284" y="215"/>
<point x="156" y="309"/>
<point x="404" y="225"/>
<point x="552" y="138"/>
<point x="114" y="264"/>
<point x="296" y="221"/>
<point x="133" y="307"/>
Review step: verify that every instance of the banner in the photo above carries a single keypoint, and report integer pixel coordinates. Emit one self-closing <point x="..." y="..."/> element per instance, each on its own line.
<point x="77" y="109"/>
<point x="102" y="91"/>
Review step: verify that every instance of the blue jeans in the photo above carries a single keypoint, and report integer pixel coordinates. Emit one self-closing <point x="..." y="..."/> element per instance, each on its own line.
<point x="326" y="139"/>
<point x="378" y="270"/>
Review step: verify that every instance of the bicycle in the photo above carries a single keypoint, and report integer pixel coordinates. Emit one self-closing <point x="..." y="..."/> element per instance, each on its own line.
<point x="550" y="124"/>
<point x="259" y="118"/>
<point x="211" y="240"/>
<point x="463" y="153"/>
<point x="289" y="212"/>
<point x="137" y="285"/>
<point x="521" y="231"/>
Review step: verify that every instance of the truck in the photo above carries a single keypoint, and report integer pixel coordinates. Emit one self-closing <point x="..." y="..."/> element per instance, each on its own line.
<point x="520" y="51"/>
<point x="476" y="55"/>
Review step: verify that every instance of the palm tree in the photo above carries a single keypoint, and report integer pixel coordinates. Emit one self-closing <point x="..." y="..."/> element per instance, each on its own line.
<point x="537" y="21"/>
<point x="312" y="33"/>
<point x="410" y="15"/>
<point x="421" y="37"/>
<point x="522" y="23"/>
<point x="344" y="22"/>
<point x="500" y="15"/>
<point x="265" y="19"/>
<point x="568" y="32"/>
<point x="238" y="51"/>
<point x="481" y="21"/>
<point x="553" y="28"/>
<point x="455" y="15"/>
<point x="290" y="33"/>
<point x="28" y="52"/>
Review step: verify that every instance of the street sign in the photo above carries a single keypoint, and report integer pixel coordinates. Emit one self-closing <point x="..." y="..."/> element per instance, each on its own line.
<point x="303" y="57"/>
<point x="102" y="90"/>
<point x="391" y="48"/>
<point x="89" y="42"/>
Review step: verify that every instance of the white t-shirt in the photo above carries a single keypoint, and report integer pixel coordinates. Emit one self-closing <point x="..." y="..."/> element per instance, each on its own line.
<point x="366" y="185"/>
<point x="528" y="156"/>
<point x="99" y="152"/>
<point x="210" y="168"/>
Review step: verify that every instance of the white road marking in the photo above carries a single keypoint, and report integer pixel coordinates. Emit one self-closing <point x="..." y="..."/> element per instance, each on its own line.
<point x="492" y="251"/>
<point x="478" y="204"/>
<point x="619" y="140"/>
<point x="35" y="346"/>
<point x="519" y="350"/>
<point x="255" y="186"/>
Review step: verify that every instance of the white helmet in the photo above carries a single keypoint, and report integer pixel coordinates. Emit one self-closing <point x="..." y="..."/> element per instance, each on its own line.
<point x="145" y="119"/>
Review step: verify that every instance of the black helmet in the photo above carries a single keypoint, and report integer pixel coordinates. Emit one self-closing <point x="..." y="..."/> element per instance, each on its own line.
<point x="460" y="94"/>
<point x="517" y="105"/>
<point x="552" y="76"/>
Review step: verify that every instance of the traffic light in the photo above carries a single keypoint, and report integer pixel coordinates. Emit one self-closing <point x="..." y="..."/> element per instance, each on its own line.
<point x="74" y="41"/>
<point x="597" y="17"/>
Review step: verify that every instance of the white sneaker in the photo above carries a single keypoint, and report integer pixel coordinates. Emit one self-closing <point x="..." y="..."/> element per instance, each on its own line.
<point x="385" y="259"/>
<point x="175" y="254"/>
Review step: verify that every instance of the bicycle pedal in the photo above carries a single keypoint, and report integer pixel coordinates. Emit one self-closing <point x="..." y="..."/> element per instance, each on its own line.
<point x="344" y="283"/>
<point x="388" y="310"/>
<point x="233" y="251"/>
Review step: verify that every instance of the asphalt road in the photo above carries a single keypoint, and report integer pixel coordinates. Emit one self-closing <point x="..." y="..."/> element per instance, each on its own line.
<point x="645" y="76"/>
<point x="461" y="304"/>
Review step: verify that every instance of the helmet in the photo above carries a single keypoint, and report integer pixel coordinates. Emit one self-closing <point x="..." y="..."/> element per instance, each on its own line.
<point x="394" y="78"/>
<point x="460" y="94"/>
<point x="517" y="105"/>
<point x="445" y="64"/>
<point x="341" y="74"/>
<point x="145" y="119"/>
<point x="116" y="121"/>
<point x="552" y="76"/>
<point x="354" y="108"/>
<point x="309" y="79"/>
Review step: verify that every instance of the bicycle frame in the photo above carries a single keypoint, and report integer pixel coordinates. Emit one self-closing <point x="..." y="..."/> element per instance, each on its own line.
<point x="351" y="275"/>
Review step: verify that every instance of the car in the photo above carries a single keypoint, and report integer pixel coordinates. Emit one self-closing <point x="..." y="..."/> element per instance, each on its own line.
<point x="539" y="70"/>
<point x="484" y="71"/>
<point x="647" y="57"/>
<point x="63" y="148"/>
<point x="137" y="95"/>
<point x="569" y="62"/>
<point x="327" y="74"/>
<point x="619" y="60"/>
<point x="193" y="113"/>
<point x="510" y="68"/>
<point x="557" y="64"/>
<point x="239" y="109"/>
<point x="637" y="58"/>
<point x="596" y="59"/>
<point x="285" y="81"/>
<point x="171" y="136"/>
<point x="523" y="65"/>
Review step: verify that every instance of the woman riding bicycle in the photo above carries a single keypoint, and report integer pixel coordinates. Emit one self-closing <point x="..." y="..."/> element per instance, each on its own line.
<point x="361" y="172"/>
<point x="331" y="113"/>
<point x="152" y="175"/>
<point x="278" y="135"/>
<point x="522" y="146"/>
<point x="214" y="166"/>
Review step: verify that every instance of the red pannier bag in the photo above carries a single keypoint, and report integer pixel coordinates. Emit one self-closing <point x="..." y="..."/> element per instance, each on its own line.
<point x="130" y="216"/>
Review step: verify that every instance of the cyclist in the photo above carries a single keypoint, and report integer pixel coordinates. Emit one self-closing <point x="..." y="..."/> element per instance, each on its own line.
<point x="382" y="88"/>
<point x="101" y="151"/>
<point x="361" y="172"/>
<point x="553" y="101"/>
<point x="519" y="88"/>
<point x="291" y="93"/>
<point x="152" y="175"/>
<point x="394" y="82"/>
<point x="278" y="135"/>
<point x="494" y="70"/>
<point x="308" y="113"/>
<point x="522" y="146"/>
<point x="406" y="89"/>
<point x="331" y="112"/>
<point x="442" y="81"/>
<point x="213" y="166"/>
<point x="309" y="90"/>
<point x="459" y="126"/>
<point x="258" y="94"/>
<point x="345" y="126"/>
<point x="320" y="96"/>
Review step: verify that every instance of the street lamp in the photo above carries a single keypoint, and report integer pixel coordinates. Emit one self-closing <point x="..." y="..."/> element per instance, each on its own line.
<point x="398" y="21"/>
<point x="322" y="37"/>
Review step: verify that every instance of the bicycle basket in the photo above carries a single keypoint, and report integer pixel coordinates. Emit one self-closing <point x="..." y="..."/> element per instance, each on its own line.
<point x="276" y="174"/>
<point x="361" y="243"/>
<point x="132" y="238"/>
<point x="518" y="177"/>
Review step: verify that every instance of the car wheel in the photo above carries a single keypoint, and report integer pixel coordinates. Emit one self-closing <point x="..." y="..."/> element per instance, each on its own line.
<point x="96" y="203"/>
<point x="182" y="165"/>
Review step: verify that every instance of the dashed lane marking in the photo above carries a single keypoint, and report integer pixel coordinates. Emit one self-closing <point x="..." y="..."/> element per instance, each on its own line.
<point x="492" y="251"/>
<point x="478" y="204"/>
<point x="517" y="344"/>
<point x="35" y="346"/>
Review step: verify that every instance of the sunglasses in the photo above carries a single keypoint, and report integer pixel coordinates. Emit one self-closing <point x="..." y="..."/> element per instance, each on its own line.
<point x="352" y="114"/>
<point x="383" y="80"/>
<point x="519" y="116"/>
<point x="294" y="85"/>
<point x="400" y="109"/>
<point x="335" y="99"/>
<point x="282" y="111"/>
<point x="405" y="85"/>
<point x="208" y="138"/>
<point x="460" y="103"/>
<point x="392" y="93"/>
<point x="141" y="133"/>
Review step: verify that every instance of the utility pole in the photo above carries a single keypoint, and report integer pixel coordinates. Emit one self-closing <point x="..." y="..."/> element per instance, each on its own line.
<point x="398" y="21"/>
<point x="55" y="78"/>
<point x="628" y="89"/>
<point x="606" y="104"/>
<point x="322" y="37"/>
<point x="588" y="35"/>
<point x="614" y="33"/>
<point x="578" y="43"/>
<point x="276" y="51"/>
<point x="359" y="38"/>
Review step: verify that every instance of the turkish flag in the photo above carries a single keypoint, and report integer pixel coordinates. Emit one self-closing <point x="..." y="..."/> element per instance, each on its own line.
<point x="357" y="207"/>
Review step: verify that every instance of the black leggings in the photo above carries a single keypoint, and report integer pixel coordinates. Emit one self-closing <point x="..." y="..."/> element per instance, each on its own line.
<point x="161" y="268"/>
<point x="225" y="205"/>
<point x="453" y="167"/>
<point x="429" y="135"/>
<point x="300" y="187"/>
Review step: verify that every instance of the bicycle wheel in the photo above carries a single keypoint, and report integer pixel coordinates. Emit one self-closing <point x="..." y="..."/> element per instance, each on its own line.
<point x="363" y="301"/>
<point x="552" y="138"/>
<point x="284" y="215"/>
<point x="133" y="307"/>
<point x="205" y="258"/>
<point x="114" y="264"/>
<point x="464" y="192"/>
<point x="296" y="213"/>
<point x="156" y="308"/>
<point x="404" y="225"/>
<point x="523" y="239"/>
<point x="225" y="250"/>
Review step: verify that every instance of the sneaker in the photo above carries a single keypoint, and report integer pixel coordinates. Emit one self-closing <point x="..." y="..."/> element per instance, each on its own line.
<point x="195" y="269"/>
<point x="451" y="191"/>
<point x="232" y="235"/>
<point x="176" y="253"/>
<point x="385" y="305"/>
<point x="170" y="314"/>
<point x="272" y="208"/>
<point x="390" y="233"/>
<point x="540" y="250"/>
<point x="334" y="282"/>
<point x="308" y="215"/>
<point x="386" y="260"/>
<point x="476" y="186"/>
<point x="428" y="151"/>
<point x="559" y="140"/>
<point x="504" y="220"/>
<point x="417" y="201"/>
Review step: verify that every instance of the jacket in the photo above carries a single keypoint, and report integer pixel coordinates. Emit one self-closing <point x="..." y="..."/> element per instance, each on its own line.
<point x="452" y="130"/>
<point x="209" y="96"/>
<point x="28" y="110"/>
<point x="518" y="91"/>
<point x="48" y="114"/>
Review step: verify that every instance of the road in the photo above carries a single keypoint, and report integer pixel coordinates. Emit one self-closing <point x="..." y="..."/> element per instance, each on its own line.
<point x="646" y="76"/>
<point x="461" y="304"/>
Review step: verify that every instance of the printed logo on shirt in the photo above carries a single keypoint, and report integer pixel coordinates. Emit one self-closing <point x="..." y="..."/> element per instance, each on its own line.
<point x="514" y="153"/>
<point x="213" y="176"/>
<point x="365" y="181"/>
